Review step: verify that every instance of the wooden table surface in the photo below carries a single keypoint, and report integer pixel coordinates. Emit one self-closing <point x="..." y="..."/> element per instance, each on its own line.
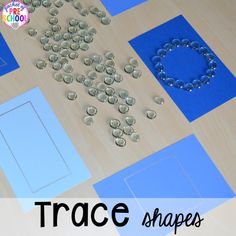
<point x="214" y="20"/>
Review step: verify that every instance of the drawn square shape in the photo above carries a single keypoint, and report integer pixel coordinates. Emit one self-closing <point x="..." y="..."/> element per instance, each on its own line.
<point x="37" y="158"/>
<point x="8" y="62"/>
<point x="181" y="178"/>
<point x="186" y="64"/>
<point x="119" y="6"/>
<point x="186" y="163"/>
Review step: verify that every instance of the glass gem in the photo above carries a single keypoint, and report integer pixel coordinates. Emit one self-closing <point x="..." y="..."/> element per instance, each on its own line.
<point x="130" y="120"/>
<point x="210" y="73"/>
<point x="128" y="130"/>
<point x="100" y="68"/>
<point x="205" y="79"/>
<point x="185" y="42"/>
<point x="91" y="110"/>
<point x="105" y="20"/>
<point x="133" y="62"/>
<point x="212" y="65"/>
<point x="88" y="120"/>
<point x="151" y="114"/>
<point x="117" y="132"/>
<point x="53" y="11"/>
<point x="88" y="82"/>
<point x="68" y="68"/>
<point x="110" y="91"/>
<point x="68" y="79"/>
<point x="80" y="78"/>
<point x="53" y="20"/>
<point x="32" y="32"/>
<point x="188" y="87"/>
<point x="128" y="68"/>
<point x="88" y="61"/>
<point x="53" y="57"/>
<point x="159" y="100"/>
<point x="170" y="82"/>
<point x="108" y="80"/>
<point x="130" y="101"/>
<point x="161" y="52"/>
<point x="117" y="77"/>
<point x="123" y="108"/>
<point x="92" y="91"/>
<point x="123" y="93"/>
<point x="58" y="77"/>
<point x="195" y="45"/>
<point x="114" y="123"/>
<point x="168" y="47"/>
<point x="155" y="59"/>
<point x="135" y="137"/>
<point x="176" y="42"/>
<point x="179" y="84"/>
<point x="71" y="95"/>
<point x="109" y="55"/>
<point x="120" y="142"/>
<point x="102" y="97"/>
<point x="136" y="74"/>
<point x="113" y="99"/>
<point x="56" y="66"/>
<point x="197" y="83"/>
<point x="41" y="64"/>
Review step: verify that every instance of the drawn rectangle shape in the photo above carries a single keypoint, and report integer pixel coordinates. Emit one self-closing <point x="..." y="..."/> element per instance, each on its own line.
<point x="38" y="152"/>
<point x="37" y="158"/>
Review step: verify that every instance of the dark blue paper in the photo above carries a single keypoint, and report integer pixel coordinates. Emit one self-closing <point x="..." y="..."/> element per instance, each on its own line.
<point x="116" y="7"/>
<point x="7" y="61"/>
<point x="186" y="64"/>
<point x="182" y="170"/>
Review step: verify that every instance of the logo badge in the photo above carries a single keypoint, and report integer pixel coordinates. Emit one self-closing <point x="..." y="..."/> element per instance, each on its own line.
<point x="15" y="14"/>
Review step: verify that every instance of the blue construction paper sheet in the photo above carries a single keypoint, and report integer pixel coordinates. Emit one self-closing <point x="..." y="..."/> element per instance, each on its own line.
<point x="178" y="179"/>
<point x="186" y="64"/>
<point x="7" y="61"/>
<point x="182" y="170"/>
<point x="37" y="156"/>
<point x="116" y="7"/>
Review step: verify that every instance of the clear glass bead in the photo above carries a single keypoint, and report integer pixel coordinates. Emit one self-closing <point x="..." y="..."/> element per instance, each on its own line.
<point x="128" y="68"/>
<point x="108" y="80"/>
<point x="80" y="78"/>
<point x="130" y="101"/>
<point x="212" y="65"/>
<point x="120" y="142"/>
<point x="123" y="108"/>
<point x="123" y="93"/>
<point x="113" y="99"/>
<point x="41" y="64"/>
<point x="118" y="133"/>
<point x="128" y="130"/>
<point x="161" y="52"/>
<point x="67" y="78"/>
<point x="211" y="73"/>
<point x="100" y="68"/>
<point x="136" y="74"/>
<point x="88" y="120"/>
<point x="179" y="84"/>
<point x="53" y="20"/>
<point x="32" y="32"/>
<point x="109" y="55"/>
<point x="185" y="42"/>
<point x="197" y="83"/>
<point x="170" y="82"/>
<point x="92" y="91"/>
<point x="52" y="57"/>
<point x="68" y="68"/>
<point x="188" y="87"/>
<point x="130" y="120"/>
<point x="156" y="59"/>
<point x="205" y="79"/>
<point x="58" y="77"/>
<point x="176" y="42"/>
<point x="110" y="91"/>
<point x="56" y="66"/>
<point x="114" y="123"/>
<point x="151" y="114"/>
<point x="71" y="95"/>
<point x="102" y="97"/>
<point x="53" y="11"/>
<point x="159" y="100"/>
<point x="168" y="47"/>
<point x="105" y="20"/>
<point x="91" y="110"/>
<point x="135" y="137"/>
<point x="88" y="82"/>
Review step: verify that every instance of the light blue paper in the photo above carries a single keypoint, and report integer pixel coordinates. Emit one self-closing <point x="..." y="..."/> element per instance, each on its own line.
<point x="37" y="156"/>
